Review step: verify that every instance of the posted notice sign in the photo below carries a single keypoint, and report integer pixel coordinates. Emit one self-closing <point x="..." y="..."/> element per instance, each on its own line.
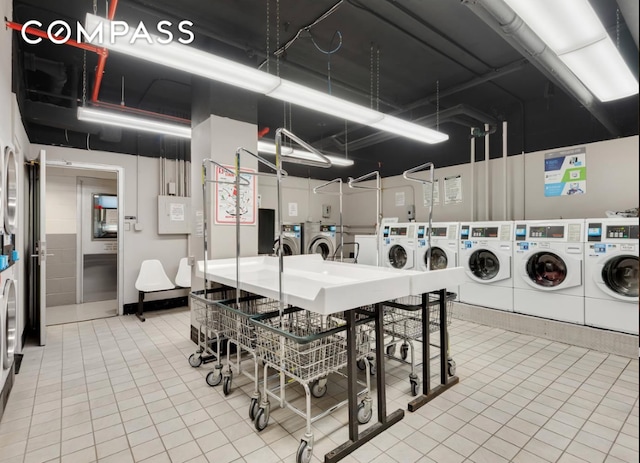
<point x="565" y="172"/>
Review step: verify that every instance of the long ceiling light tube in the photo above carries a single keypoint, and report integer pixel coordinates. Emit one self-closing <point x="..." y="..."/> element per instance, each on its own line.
<point x="288" y="152"/>
<point x="121" y="119"/>
<point x="197" y="62"/>
<point x="573" y="31"/>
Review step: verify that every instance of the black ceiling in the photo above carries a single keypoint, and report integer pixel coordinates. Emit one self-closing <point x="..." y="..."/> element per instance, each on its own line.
<point x="428" y="52"/>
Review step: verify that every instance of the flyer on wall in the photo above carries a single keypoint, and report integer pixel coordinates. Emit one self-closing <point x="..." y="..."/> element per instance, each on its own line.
<point x="565" y="172"/>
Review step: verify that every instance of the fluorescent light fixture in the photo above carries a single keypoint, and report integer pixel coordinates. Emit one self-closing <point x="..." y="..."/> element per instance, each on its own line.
<point x="270" y="148"/>
<point x="319" y="101"/>
<point x="121" y="119"/>
<point x="409" y="130"/>
<point x="182" y="57"/>
<point x="197" y="62"/>
<point x="573" y="31"/>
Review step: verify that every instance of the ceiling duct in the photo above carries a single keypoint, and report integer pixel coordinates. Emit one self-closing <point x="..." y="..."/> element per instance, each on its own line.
<point x="630" y="10"/>
<point x="56" y="70"/>
<point x="502" y="19"/>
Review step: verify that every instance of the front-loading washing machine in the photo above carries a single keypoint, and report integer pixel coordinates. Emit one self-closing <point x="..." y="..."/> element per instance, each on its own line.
<point x="486" y="254"/>
<point x="444" y="245"/>
<point x="611" y="274"/>
<point x="8" y="333"/>
<point x="320" y="238"/>
<point x="549" y="270"/>
<point x="292" y="240"/>
<point x="398" y="245"/>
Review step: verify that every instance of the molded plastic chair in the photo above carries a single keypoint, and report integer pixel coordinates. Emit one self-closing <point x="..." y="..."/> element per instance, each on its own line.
<point x="183" y="277"/>
<point x="152" y="278"/>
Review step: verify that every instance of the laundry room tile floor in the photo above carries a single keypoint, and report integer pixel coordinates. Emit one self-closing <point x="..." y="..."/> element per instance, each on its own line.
<point x="117" y="390"/>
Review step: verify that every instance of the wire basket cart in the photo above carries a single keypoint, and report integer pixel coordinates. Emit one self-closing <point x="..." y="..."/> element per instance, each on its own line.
<point x="306" y="347"/>
<point x="235" y="316"/>
<point x="403" y="324"/>
<point x="211" y="337"/>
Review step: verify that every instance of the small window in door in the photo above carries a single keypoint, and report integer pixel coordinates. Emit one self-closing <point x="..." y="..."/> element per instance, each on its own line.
<point x="105" y="217"/>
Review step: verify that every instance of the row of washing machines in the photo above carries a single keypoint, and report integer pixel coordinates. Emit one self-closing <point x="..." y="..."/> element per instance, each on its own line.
<point x="577" y="271"/>
<point x="308" y="238"/>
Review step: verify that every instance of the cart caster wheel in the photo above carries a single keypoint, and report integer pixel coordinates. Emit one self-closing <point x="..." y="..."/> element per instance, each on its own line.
<point x="304" y="453"/>
<point x="214" y="377"/>
<point x="414" y="388"/>
<point x="195" y="360"/>
<point x="364" y="413"/>
<point x="361" y="364"/>
<point x="404" y="351"/>
<point x="318" y="390"/>
<point x="372" y="368"/>
<point x="391" y="350"/>
<point x="226" y="385"/>
<point x="253" y="409"/>
<point x="452" y="367"/>
<point x="261" y="419"/>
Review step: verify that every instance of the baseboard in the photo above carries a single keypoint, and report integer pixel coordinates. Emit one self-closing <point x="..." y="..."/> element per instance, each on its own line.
<point x="160" y="304"/>
<point x="612" y="342"/>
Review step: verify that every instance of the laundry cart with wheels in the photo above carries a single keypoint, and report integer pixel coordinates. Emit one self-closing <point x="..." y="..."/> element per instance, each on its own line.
<point x="404" y="325"/>
<point x="307" y="347"/>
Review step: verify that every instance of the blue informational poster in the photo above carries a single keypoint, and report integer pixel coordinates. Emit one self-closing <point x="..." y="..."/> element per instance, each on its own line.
<point x="565" y="172"/>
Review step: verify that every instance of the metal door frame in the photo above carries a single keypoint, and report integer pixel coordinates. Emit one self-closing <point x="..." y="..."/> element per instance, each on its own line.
<point x="121" y="200"/>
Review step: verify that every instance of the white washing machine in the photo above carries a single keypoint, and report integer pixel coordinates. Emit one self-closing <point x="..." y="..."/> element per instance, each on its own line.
<point x="292" y="239"/>
<point x="320" y="238"/>
<point x="398" y="245"/>
<point x="611" y="274"/>
<point x="549" y="270"/>
<point x="486" y="254"/>
<point x="8" y="331"/>
<point x="444" y="247"/>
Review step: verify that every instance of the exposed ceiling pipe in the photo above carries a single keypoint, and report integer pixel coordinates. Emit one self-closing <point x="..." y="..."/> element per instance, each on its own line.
<point x="502" y="19"/>
<point x="448" y="115"/>
<point x="630" y="10"/>
<point x="487" y="215"/>
<point x="162" y="12"/>
<point x="500" y="72"/>
<point x="102" y="59"/>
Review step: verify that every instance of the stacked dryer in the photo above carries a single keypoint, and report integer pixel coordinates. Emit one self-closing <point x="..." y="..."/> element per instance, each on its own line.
<point x="8" y="272"/>
<point x="398" y="245"/>
<point x="549" y="270"/>
<point x="486" y="252"/>
<point x="611" y="274"/>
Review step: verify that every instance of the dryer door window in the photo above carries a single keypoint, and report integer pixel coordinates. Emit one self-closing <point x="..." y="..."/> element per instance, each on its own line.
<point x="439" y="259"/>
<point x="484" y="264"/>
<point x="546" y="269"/>
<point x="397" y="256"/>
<point x="621" y="275"/>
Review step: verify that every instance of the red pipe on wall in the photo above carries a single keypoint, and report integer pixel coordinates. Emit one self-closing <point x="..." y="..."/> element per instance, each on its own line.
<point x="102" y="60"/>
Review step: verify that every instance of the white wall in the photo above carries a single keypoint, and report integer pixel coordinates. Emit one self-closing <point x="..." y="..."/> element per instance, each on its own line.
<point x="612" y="184"/>
<point x="299" y="191"/>
<point x="141" y="182"/>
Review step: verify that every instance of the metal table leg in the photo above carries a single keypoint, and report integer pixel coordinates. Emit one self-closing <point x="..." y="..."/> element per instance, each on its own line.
<point x="357" y="439"/>
<point x="446" y="381"/>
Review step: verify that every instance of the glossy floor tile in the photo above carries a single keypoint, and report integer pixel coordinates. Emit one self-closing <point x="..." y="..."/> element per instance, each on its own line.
<point x="118" y="390"/>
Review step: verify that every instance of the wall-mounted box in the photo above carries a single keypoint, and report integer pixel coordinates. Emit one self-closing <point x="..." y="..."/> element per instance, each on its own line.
<point x="174" y="213"/>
